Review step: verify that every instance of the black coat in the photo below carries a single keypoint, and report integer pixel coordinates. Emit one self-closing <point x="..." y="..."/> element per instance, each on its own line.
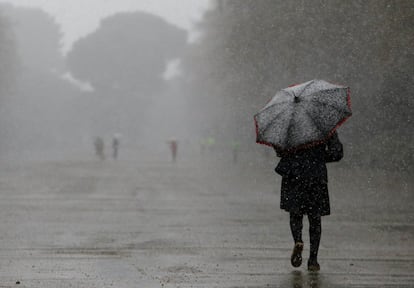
<point x="311" y="162"/>
<point x="304" y="177"/>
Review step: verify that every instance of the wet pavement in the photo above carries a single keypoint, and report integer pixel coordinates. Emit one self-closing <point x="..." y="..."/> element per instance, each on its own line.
<point x="194" y="224"/>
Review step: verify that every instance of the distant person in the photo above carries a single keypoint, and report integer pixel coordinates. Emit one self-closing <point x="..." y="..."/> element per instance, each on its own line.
<point x="210" y="141"/>
<point x="115" y="146"/>
<point x="235" y="146"/>
<point x="99" y="148"/>
<point x="173" y="148"/>
<point x="304" y="191"/>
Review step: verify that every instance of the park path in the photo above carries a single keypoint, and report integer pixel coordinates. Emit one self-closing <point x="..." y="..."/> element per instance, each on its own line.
<point x="193" y="224"/>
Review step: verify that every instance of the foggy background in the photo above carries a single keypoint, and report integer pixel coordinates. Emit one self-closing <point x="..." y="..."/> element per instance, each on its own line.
<point x="139" y="76"/>
<point x="153" y="71"/>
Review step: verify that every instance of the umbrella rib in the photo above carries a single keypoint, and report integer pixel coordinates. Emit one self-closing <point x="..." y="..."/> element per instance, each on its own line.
<point x="271" y="106"/>
<point x="340" y="109"/>
<point x="324" y="90"/>
<point x="287" y="101"/>
<point x="313" y="121"/>
<point x="289" y="130"/>
<point x="306" y="87"/>
<point x="270" y="124"/>
<point x="306" y="99"/>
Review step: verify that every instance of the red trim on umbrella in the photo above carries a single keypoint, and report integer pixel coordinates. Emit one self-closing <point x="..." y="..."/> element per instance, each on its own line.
<point x="256" y="126"/>
<point x="257" y="135"/>
<point x="348" y="97"/>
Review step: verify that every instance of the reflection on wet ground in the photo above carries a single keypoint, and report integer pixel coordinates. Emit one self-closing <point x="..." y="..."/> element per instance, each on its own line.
<point x="308" y="280"/>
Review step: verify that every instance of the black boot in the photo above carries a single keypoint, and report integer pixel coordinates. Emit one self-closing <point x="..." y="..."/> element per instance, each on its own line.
<point x="313" y="265"/>
<point x="296" y="258"/>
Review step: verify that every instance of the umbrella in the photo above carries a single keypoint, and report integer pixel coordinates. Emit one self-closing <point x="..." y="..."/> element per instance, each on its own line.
<point x="303" y="115"/>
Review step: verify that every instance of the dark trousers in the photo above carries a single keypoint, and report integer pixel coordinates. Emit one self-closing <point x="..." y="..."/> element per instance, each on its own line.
<point x="315" y="231"/>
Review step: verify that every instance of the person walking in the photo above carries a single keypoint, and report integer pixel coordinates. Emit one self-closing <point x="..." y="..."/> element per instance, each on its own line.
<point x="304" y="191"/>
<point x="115" y="146"/>
<point x="300" y="123"/>
<point x="173" y="148"/>
<point x="99" y="148"/>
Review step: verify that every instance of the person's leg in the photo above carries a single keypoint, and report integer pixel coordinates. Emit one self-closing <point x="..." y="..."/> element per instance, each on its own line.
<point x="315" y="231"/>
<point x="296" y="225"/>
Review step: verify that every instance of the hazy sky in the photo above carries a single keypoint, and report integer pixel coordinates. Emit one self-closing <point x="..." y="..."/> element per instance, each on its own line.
<point x="80" y="17"/>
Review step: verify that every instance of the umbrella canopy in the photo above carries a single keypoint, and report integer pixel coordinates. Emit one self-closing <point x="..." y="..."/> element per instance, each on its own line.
<point x="302" y="115"/>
